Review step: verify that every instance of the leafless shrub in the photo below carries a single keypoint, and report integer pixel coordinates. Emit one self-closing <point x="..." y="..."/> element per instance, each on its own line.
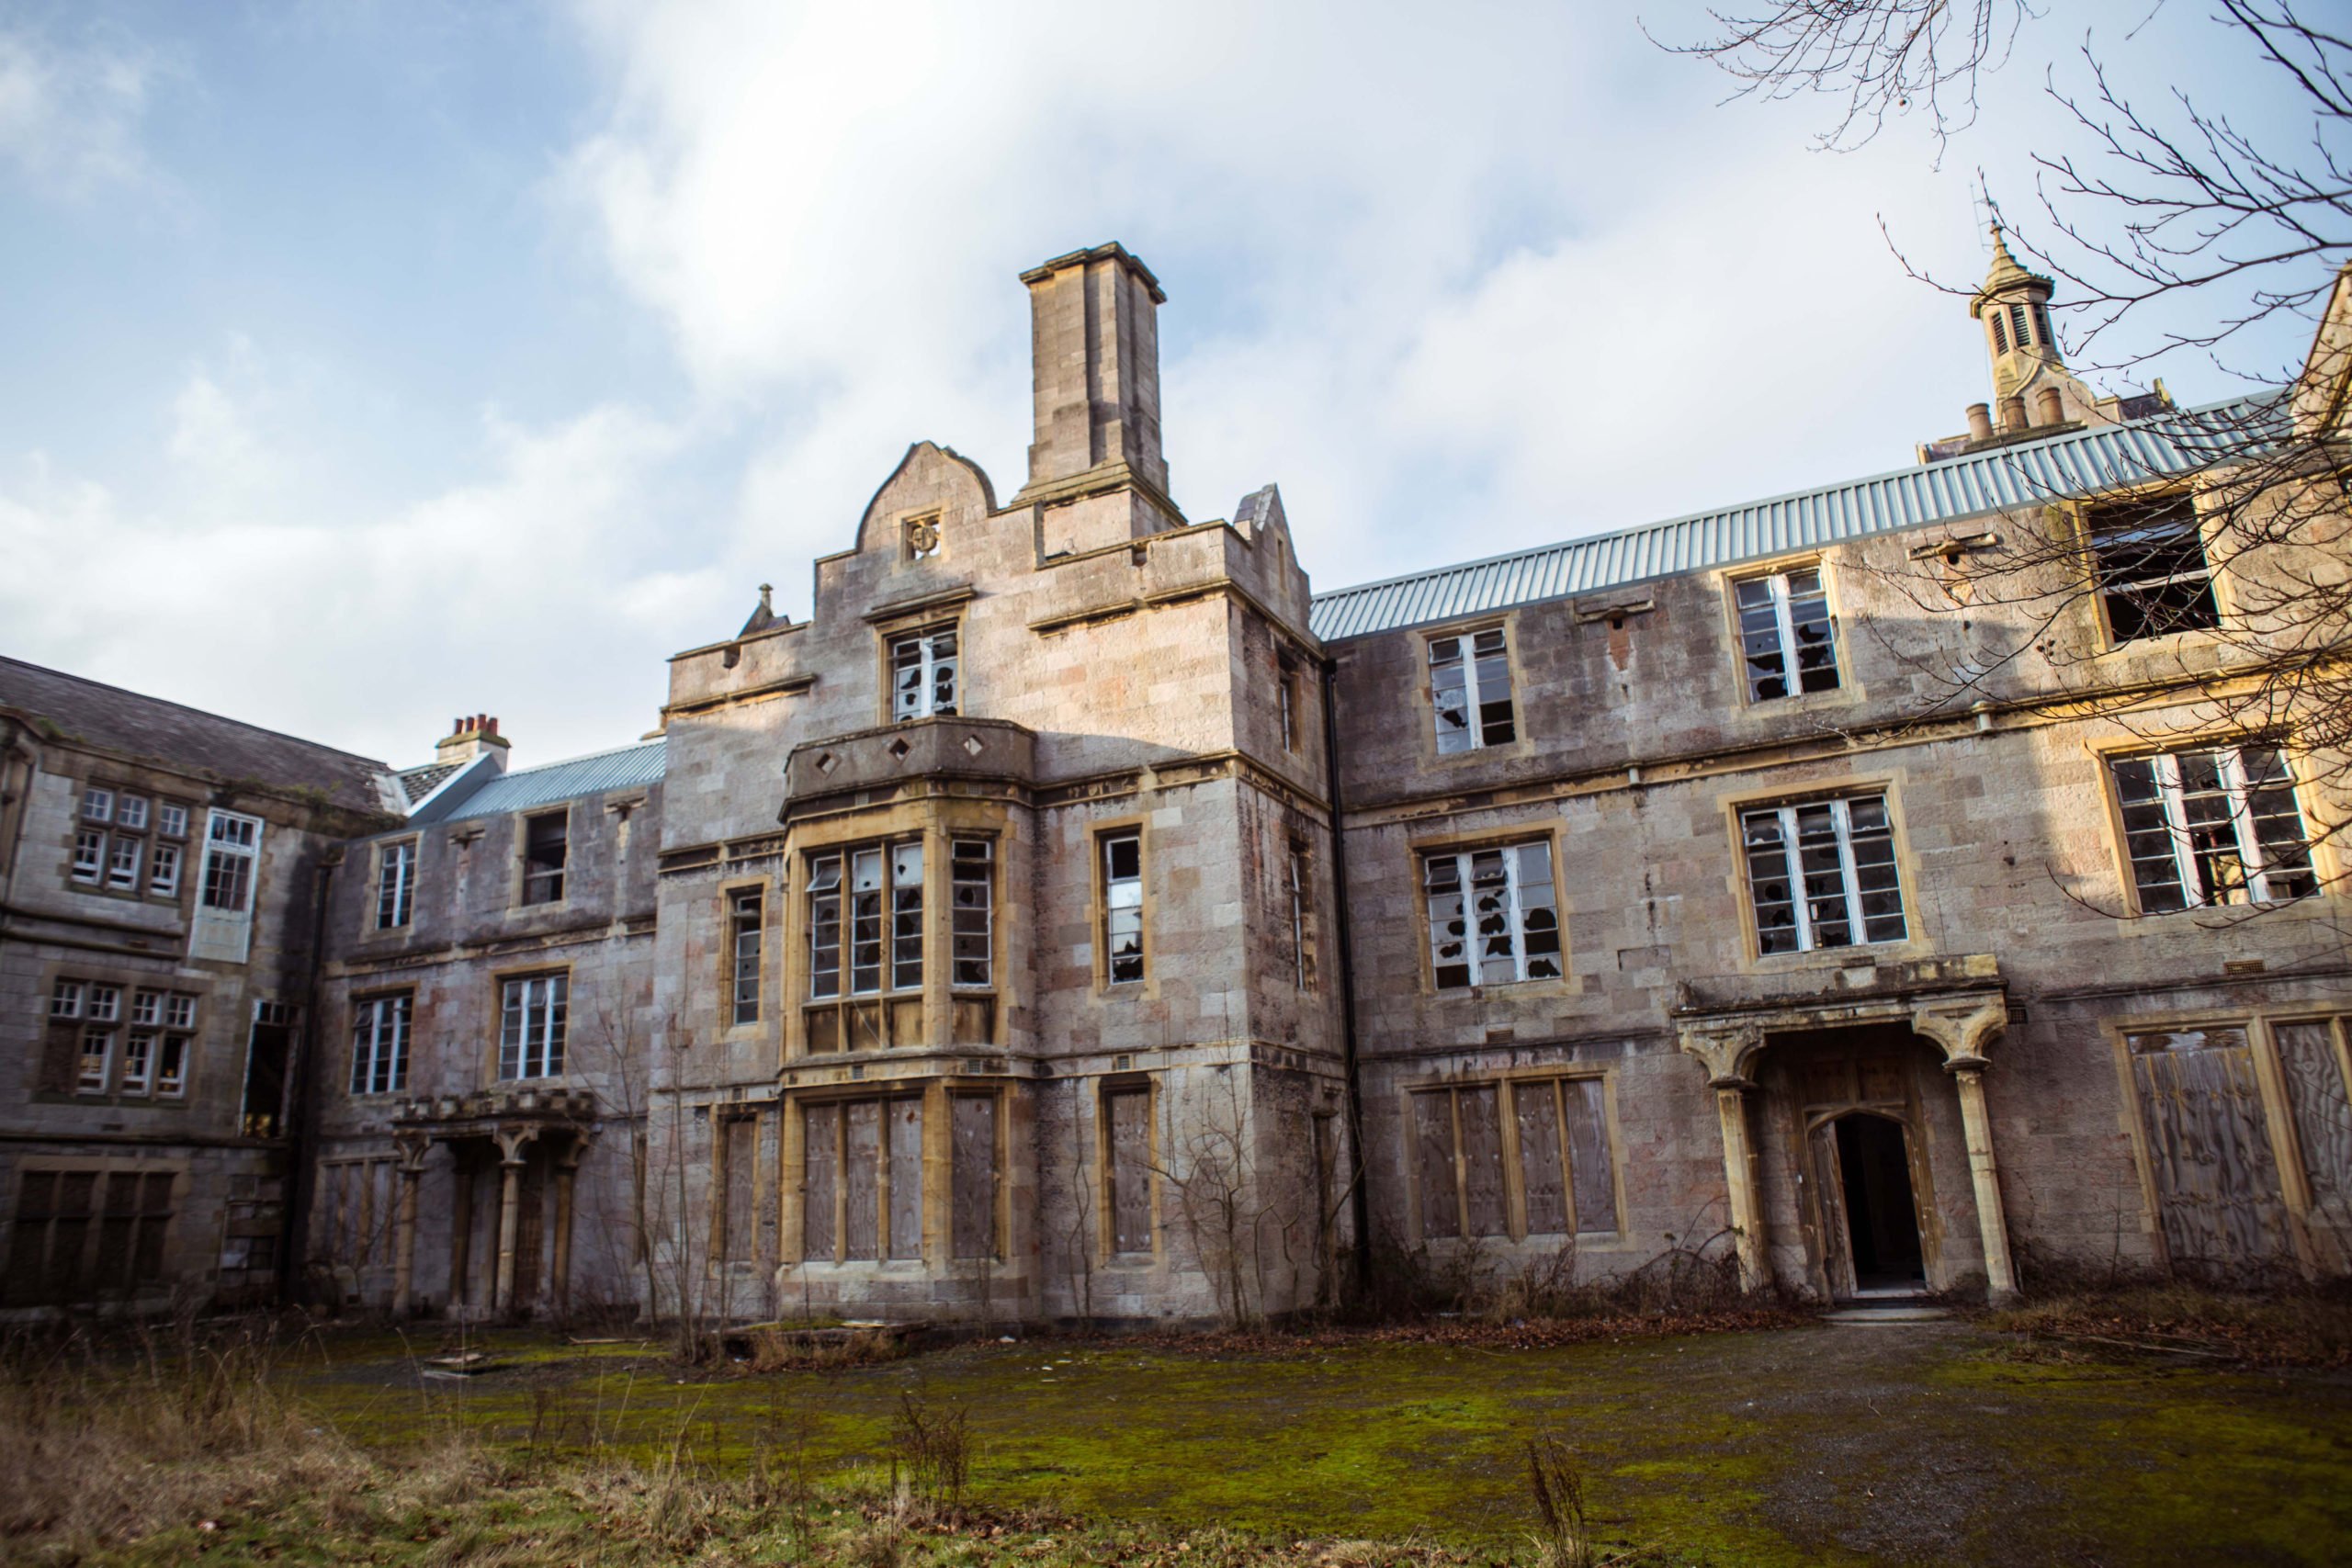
<point x="1556" y="1483"/>
<point x="935" y="1447"/>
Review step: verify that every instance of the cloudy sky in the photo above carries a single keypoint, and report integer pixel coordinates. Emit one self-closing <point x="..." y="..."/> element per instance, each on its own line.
<point x="367" y="364"/>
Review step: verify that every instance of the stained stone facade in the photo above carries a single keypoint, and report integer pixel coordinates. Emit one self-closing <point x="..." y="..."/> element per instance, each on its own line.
<point x="997" y="944"/>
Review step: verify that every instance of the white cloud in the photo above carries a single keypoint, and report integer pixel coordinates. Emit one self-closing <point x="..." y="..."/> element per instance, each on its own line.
<point x="70" y="113"/>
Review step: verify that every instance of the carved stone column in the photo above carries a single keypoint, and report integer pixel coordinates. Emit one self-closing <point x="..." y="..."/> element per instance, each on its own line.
<point x="1728" y="1052"/>
<point x="410" y="1171"/>
<point x="1961" y="1030"/>
<point x="510" y="1214"/>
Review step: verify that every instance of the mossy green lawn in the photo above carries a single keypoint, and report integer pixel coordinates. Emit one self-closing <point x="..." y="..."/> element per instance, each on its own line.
<point x="1807" y="1445"/>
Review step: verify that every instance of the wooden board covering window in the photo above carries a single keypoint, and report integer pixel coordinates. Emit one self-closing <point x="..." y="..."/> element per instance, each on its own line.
<point x="1433" y="1160"/>
<point x="819" y="1191"/>
<point x="973" y="1177"/>
<point x="1479" y="1119"/>
<point x="741" y="1160"/>
<point x="1130" y="1115"/>
<point x="2312" y="1070"/>
<point x="905" y="1117"/>
<point x="861" y="1181"/>
<point x="2209" y="1148"/>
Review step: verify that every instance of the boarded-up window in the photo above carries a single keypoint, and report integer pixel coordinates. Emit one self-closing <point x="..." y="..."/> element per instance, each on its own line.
<point x="80" y="1234"/>
<point x="1129" y="1112"/>
<point x="974" y="1180"/>
<point x="740" y="1160"/>
<point x="905" y="1117"/>
<point x="1458" y="1145"/>
<point x="820" y="1181"/>
<point x="861" y="1180"/>
<point x="2209" y="1148"/>
<point x="861" y="1186"/>
<point x="2311" y="1065"/>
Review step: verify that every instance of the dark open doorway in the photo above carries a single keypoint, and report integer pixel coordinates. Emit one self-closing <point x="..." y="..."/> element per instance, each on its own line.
<point x="1882" y="1217"/>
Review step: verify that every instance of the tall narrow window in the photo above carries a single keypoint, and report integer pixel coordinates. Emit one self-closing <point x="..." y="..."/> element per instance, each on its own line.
<point x="866" y="947"/>
<point x="2017" y="325"/>
<point x="138" y="1061"/>
<point x="1123" y="907"/>
<point x="163" y="870"/>
<point x="2000" y="332"/>
<point x="1470" y="687"/>
<point x="825" y="926"/>
<point x="379" y="1043"/>
<point x="922" y="675"/>
<point x="1286" y="694"/>
<point x="122" y="864"/>
<point x="530" y="1041"/>
<point x="97" y="1062"/>
<point x="2150" y="567"/>
<point x="973" y="890"/>
<point x="89" y="854"/>
<point x="229" y="850"/>
<point x="973" y="1177"/>
<point x="1493" y="918"/>
<point x="1821" y="874"/>
<point x="2218" y="825"/>
<point x="395" y="883"/>
<point x="1126" y="1114"/>
<point x="1297" y="873"/>
<point x="2041" y="325"/>
<point x="1784" y="630"/>
<point x="543" y="849"/>
<point x="906" y="916"/>
<point x="744" y="922"/>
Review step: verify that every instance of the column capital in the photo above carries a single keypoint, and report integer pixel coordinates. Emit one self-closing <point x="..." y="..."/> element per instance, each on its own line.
<point x="513" y="1141"/>
<point x="1731" y="1084"/>
<point x="413" y="1149"/>
<point x="1727" y="1049"/>
<point x="1962" y="1026"/>
<point x="1965" y="1065"/>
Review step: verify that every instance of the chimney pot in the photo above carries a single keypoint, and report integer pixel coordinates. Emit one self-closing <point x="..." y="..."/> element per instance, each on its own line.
<point x="2013" y="413"/>
<point x="2049" y="408"/>
<point x="1980" y="422"/>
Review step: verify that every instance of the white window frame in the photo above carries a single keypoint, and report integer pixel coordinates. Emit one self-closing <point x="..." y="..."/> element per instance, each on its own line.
<point x="66" y="999"/>
<point x="231" y="835"/>
<point x="105" y="1004"/>
<point x="380" y="1028"/>
<point x="1776" y="584"/>
<point x="971" y="903"/>
<point x="2172" y="803"/>
<point x="744" y="938"/>
<point x="532" y="1015"/>
<point x="85" y="1082"/>
<point x="139" y="1047"/>
<point x="395" y="883"/>
<point x="131" y="811"/>
<point x="89" y="856"/>
<point x="1793" y="868"/>
<point x="163" y="870"/>
<point x="123" y="865"/>
<point x="1515" y="911"/>
<point x="1122" y="911"/>
<point x="1476" y="697"/>
<point x="171" y="1066"/>
<point x="921" y="700"/>
<point x="98" y="805"/>
<point x="171" y="820"/>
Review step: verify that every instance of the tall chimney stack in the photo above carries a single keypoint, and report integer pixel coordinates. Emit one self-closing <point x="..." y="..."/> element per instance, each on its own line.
<point x="470" y="737"/>
<point x="1096" y="466"/>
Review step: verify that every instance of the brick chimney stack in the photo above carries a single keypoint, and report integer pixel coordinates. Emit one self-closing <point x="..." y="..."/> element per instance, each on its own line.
<point x="1095" y="466"/>
<point x="472" y="738"/>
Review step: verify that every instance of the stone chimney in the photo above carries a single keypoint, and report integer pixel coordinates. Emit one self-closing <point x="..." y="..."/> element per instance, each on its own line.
<point x="472" y="738"/>
<point x="1095" y="466"/>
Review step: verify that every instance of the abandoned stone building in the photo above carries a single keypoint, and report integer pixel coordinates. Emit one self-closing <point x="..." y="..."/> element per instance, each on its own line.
<point x="1074" y="918"/>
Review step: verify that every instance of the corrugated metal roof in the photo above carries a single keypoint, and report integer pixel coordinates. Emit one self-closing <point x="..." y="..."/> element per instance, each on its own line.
<point x="2028" y="474"/>
<point x="627" y="768"/>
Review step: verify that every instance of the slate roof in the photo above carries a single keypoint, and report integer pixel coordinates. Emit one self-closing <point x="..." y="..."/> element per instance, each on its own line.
<point x="2028" y="473"/>
<point x="151" y="730"/>
<point x="629" y="767"/>
<point x="418" y="783"/>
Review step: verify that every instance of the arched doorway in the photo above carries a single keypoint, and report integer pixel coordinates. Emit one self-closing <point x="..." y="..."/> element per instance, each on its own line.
<point x="1862" y="1165"/>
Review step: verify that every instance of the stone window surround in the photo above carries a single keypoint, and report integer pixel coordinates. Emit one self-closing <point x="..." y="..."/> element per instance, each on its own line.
<point x="516" y="906"/>
<point x="1098" y="910"/>
<point x="109" y="1167"/>
<point x="2076" y="517"/>
<point x="937" y="1094"/>
<point x="379" y="863"/>
<point x="495" y="1037"/>
<point x="1508" y="1083"/>
<point x="188" y="841"/>
<point x="131" y="982"/>
<point x="1521" y="742"/>
<point x="2260" y="1022"/>
<point x="1787" y="642"/>
<point x="937" y="822"/>
<point x="771" y="926"/>
<point x="1107" y="1256"/>
<point x="2331" y="862"/>
<point x="1849" y="690"/>
<point x="920" y="619"/>
<point x="397" y="1038"/>
<point x="1919" y="941"/>
<point x="1547" y="829"/>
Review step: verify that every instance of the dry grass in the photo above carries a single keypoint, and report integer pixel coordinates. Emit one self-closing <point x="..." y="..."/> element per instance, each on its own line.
<point x="167" y="1452"/>
<point x="2294" y="1326"/>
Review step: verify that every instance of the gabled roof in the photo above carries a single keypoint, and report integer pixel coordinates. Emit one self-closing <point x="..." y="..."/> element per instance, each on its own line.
<point x="629" y="767"/>
<point x="2029" y="473"/>
<point x="418" y="783"/>
<point x="167" y="734"/>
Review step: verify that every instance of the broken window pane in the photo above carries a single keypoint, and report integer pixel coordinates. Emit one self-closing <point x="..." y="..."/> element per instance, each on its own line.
<point x="972" y="892"/>
<point x="745" y="917"/>
<point x="1123" y="905"/>
<point x="1841" y="855"/>
<point x="906" y="916"/>
<point x="866" y="922"/>
<point x="1785" y="623"/>
<point x="543" y="856"/>
<point x="922" y="675"/>
<point x="1492" y="916"/>
<point x="2204" y="827"/>
<point x="2150" y="567"/>
<point x="395" y="883"/>
<point x="1470" y="691"/>
<point x="825" y="926"/>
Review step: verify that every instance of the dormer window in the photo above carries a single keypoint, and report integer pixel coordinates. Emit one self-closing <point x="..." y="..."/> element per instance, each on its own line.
<point x="922" y="675"/>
